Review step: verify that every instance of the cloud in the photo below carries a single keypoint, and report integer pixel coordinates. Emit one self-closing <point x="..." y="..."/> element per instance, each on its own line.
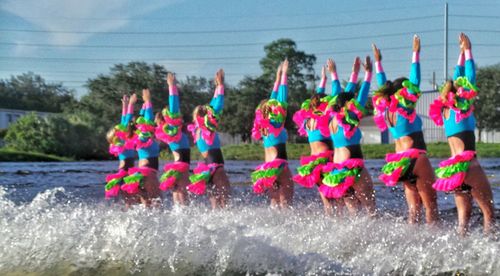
<point x="55" y="15"/>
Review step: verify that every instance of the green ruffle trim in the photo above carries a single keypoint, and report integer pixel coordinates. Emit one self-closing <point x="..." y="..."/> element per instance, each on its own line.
<point x="113" y="183"/>
<point x="256" y="175"/>
<point x="120" y="127"/>
<point x="412" y="87"/>
<point x="168" y="174"/>
<point x="170" y="130"/>
<point x="448" y="171"/>
<point x="173" y="115"/>
<point x="308" y="168"/>
<point x="143" y="135"/>
<point x="465" y="83"/>
<point x="464" y="104"/>
<point x="350" y="118"/>
<point x="208" y="124"/>
<point x="392" y="166"/>
<point x="143" y="121"/>
<point x="199" y="177"/>
<point x="278" y="118"/>
<point x="306" y="105"/>
<point x="333" y="180"/>
<point x="332" y="100"/>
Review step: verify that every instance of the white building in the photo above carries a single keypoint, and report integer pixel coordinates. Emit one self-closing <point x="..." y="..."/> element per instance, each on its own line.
<point x="9" y="116"/>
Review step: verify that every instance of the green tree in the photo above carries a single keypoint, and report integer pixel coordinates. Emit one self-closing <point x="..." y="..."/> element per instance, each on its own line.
<point x="55" y="134"/>
<point x="30" y="92"/>
<point x="487" y="105"/>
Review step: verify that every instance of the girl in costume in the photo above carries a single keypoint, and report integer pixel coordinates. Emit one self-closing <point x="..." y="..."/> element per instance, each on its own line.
<point x="141" y="184"/>
<point x="462" y="173"/>
<point x="313" y="121"/>
<point x="394" y="103"/>
<point x="169" y="130"/>
<point x="121" y="145"/>
<point x="346" y="177"/>
<point x="274" y="175"/>
<point x="211" y="172"/>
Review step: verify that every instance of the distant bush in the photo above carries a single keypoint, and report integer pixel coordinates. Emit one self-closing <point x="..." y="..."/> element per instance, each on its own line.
<point x="55" y="134"/>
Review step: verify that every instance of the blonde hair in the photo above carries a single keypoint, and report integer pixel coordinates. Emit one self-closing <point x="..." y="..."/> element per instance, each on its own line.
<point x="110" y="135"/>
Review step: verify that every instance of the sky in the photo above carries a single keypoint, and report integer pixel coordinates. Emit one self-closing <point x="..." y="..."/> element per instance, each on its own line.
<point x="71" y="41"/>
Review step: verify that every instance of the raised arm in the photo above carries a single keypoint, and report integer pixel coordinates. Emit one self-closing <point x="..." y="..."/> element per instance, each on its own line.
<point x="353" y="79"/>
<point x="129" y="113"/>
<point x="173" y="94"/>
<point x="283" y="89"/>
<point x="470" y="68"/>
<point x="415" y="63"/>
<point x="381" y="78"/>
<point x="365" y="87"/>
<point x="124" y="110"/>
<point x="459" y="68"/>
<point x="147" y="106"/>
<point x="322" y="83"/>
<point x="274" y="93"/>
<point x="217" y="102"/>
<point x="332" y="68"/>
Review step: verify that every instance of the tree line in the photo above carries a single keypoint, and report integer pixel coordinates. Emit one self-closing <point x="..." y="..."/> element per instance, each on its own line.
<point x="79" y="127"/>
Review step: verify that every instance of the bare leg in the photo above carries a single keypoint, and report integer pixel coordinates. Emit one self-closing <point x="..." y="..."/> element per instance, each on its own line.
<point x="221" y="188"/>
<point x="423" y="170"/>
<point x="179" y="192"/>
<point x="285" y="188"/>
<point x="481" y="192"/>
<point x="413" y="201"/>
<point x="152" y="192"/>
<point x="364" y="192"/>
<point x="463" y="200"/>
<point x="328" y="205"/>
<point x="352" y="204"/>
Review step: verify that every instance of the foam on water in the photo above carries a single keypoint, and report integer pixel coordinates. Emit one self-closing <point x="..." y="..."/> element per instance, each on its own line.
<point x="56" y="234"/>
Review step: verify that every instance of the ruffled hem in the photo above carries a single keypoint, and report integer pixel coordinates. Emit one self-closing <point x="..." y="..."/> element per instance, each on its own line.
<point x="113" y="182"/>
<point x="165" y="135"/>
<point x="135" y="179"/>
<point x="397" y="165"/>
<point x="338" y="177"/>
<point x="309" y="174"/>
<point x="339" y="190"/>
<point x="451" y="173"/>
<point x="171" y="174"/>
<point x="266" y="174"/>
<point x="450" y="183"/>
<point x="201" y="176"/>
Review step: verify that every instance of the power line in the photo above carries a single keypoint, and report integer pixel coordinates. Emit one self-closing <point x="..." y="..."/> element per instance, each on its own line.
<point x="227" y="31"/>
<point x="212" y="45"/>
<point x="464" y="16"/>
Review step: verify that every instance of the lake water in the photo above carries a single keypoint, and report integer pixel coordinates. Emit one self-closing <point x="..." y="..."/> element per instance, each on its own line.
<point x="54" y="220"/>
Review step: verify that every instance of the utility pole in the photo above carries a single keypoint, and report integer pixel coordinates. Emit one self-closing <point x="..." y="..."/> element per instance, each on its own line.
<point x="445" y="73"/>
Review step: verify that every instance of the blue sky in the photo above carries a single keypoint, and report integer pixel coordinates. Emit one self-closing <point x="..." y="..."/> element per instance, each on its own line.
<point x="71" y="41"/>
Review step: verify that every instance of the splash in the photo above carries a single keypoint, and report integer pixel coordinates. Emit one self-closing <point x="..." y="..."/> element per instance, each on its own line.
<point x="55" y="234"/>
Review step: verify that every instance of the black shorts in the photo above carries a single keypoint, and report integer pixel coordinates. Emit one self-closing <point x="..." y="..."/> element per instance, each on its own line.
<point x="418" y="140"/>
<point x="468" y="138"/>
<point x="153" y="163"/>
<point x="184" y="155"/>
<point x="128" y="163"/>
<point x="355" y="151"/>
<point x="409" y="175"/>
<point x="281" y="151"/>
<point x="214" y="156"/>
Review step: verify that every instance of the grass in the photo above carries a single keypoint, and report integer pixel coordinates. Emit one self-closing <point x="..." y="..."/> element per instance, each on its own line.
<point x="256" y="151"/>
<point x="10" y="155"/>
